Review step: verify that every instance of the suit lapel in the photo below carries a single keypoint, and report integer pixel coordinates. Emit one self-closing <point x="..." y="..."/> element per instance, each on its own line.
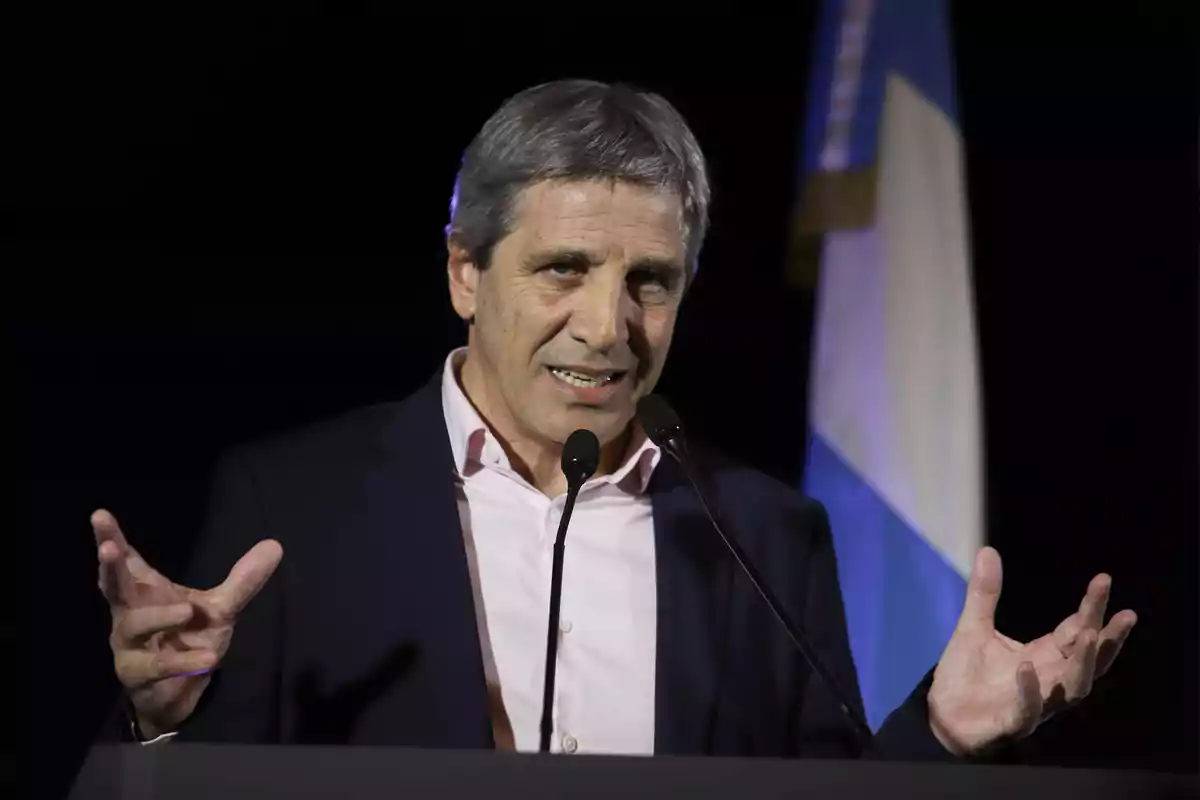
<point x="693" y="595"/>
<point x="413" y="495"/>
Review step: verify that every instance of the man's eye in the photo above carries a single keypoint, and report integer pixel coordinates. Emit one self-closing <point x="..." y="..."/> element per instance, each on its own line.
<point x="565" y="269"/>
<point x="654" y="279"/>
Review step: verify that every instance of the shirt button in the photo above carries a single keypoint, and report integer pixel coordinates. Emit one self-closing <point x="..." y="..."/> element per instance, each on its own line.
<point x="565" y="626"/>
<point x="570" y="744"/>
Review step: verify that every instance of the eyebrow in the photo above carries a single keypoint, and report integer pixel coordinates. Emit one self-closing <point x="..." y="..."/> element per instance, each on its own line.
<point x="582" y="258"/>
<point x="566" y="255"/>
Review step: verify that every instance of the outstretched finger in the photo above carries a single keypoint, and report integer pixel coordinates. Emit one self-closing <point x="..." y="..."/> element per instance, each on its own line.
<point x="1095" y="602"/>
<point x="138" y="668"/>
<point x="112" y="550"/>
<point x="1112" y="639"/>
<point x="1081" y="669"/>
<point x="133" y="626"/>
<point x="249" y="575"/>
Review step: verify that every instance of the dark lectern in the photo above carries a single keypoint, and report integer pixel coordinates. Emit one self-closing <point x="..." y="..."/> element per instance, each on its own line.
<point x="190" y="772"/>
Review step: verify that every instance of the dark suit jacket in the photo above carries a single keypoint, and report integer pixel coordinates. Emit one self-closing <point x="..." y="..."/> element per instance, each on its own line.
<point x="367" y="633"/>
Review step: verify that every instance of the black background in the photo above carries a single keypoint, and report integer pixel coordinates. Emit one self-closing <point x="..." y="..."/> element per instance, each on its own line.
<point x="228" y="228"/>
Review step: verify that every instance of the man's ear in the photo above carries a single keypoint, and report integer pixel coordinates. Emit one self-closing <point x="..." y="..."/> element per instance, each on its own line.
<point x="463" y="275"/>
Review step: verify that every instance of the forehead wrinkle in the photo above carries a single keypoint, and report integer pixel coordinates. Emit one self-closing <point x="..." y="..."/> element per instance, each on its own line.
<point x="591" y="218"/>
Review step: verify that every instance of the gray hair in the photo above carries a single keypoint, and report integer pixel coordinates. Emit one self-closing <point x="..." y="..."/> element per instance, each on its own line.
<point x="576" y="129"/>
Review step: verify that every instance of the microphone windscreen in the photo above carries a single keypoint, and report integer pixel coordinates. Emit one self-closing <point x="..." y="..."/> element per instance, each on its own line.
<point x="659" y="420"/>
<point x="580" y="456"/>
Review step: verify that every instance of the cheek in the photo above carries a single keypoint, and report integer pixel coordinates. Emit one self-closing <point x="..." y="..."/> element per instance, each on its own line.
<point x="527" y="325"/>
<point x="659" y="326"/>
<point x="510" y="317"/>
<point x="498" y="331"/>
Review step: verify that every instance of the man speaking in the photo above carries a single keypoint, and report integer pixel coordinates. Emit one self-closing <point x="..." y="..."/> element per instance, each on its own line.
<point x="384" y="578"/>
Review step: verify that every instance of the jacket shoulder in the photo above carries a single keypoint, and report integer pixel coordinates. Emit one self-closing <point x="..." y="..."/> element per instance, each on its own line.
<point x="351" y="437"/>
<point x="758" y="493"/>
<point x="347" y="432"/>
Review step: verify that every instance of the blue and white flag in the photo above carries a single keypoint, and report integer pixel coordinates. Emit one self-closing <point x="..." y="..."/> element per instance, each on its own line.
<point x="895" y="449"/>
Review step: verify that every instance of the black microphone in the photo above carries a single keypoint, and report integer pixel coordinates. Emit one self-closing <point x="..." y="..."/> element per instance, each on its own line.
<point x="580" y="457"/>
<point x="665" y="429"/>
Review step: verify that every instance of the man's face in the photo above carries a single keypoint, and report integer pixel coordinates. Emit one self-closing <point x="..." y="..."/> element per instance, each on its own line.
<point x="574" y="315"/>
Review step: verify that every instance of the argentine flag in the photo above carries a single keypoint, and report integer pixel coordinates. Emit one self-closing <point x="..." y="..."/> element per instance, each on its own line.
<point x="895" y="449"/>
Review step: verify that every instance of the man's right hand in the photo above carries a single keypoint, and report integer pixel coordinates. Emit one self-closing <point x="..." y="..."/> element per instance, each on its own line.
<point x="167" y="639"/>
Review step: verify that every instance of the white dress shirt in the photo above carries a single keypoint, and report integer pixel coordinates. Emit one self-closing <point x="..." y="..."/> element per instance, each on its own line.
<point x="604" y="683"/>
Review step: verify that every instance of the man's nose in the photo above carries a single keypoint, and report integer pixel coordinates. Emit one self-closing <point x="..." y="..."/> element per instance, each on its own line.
<point x="602" y="316"/>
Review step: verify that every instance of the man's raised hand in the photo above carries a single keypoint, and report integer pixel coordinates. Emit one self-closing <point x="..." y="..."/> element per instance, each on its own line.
<point x="166" y="638"/>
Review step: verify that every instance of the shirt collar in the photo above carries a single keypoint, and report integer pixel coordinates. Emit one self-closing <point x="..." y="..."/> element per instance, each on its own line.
<point x="475" y="447"/>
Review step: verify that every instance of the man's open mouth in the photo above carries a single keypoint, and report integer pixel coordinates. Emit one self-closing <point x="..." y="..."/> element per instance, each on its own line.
<point x="589" y="379"/>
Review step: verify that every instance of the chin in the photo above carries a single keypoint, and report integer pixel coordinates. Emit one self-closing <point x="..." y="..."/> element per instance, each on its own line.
<point x="609" y="425"/>
<point x="605" y="423"/>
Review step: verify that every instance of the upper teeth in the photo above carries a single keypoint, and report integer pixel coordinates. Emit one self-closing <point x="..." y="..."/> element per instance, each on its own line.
<point x="576" y="379"/>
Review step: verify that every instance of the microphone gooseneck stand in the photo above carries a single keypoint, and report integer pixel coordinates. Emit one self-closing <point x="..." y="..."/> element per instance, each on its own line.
<point x="580" y="458"/>
<point x="665" y="429"/>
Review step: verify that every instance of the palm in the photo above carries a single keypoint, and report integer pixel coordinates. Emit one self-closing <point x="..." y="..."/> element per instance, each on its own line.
<point x="210" y="629"/>
<point x="214" y="614"/>
<point x="988" y="687"/>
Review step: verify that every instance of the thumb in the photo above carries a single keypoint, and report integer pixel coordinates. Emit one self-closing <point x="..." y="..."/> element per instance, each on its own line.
<point x="250" y="574"/>
<point x="983" y="592"/>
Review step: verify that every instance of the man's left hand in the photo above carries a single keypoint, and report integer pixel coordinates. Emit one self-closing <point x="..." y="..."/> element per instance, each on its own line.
<point x="988" y="688"/>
